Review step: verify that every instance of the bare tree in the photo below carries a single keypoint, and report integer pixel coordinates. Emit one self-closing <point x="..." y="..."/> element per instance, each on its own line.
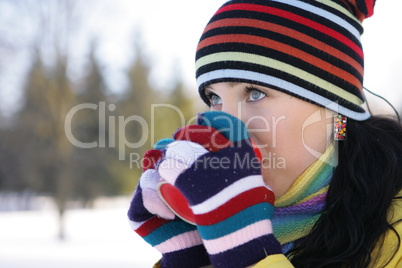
<point x="45" y="156"/>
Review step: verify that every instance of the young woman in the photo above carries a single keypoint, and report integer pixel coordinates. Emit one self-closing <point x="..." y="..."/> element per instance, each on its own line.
<point x="315" y="193"/>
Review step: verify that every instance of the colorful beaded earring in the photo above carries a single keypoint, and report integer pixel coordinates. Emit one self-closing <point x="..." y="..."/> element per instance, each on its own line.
<point x="340" y="127"/>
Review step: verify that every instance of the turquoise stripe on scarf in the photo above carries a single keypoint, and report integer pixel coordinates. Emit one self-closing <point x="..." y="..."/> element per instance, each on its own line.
<point x="303" y="207"/>
<point x="322" y="180"/>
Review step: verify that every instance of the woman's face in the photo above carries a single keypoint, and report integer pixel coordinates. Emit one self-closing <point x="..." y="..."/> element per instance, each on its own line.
<point x="290" y="133"/>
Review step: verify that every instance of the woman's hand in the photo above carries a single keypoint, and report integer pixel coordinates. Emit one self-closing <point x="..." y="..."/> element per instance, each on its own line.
<point x="179" y="242"/>
<point x="223" y="184"/>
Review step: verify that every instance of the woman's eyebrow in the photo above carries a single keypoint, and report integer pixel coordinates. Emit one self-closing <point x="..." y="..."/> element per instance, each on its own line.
<point x="233" y="84"/>
<point x="208" y="89"/>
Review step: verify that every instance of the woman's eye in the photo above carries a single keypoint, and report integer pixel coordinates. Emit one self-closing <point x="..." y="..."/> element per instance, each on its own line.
<point x="255" y="95"/>
<point x="215" y="99"/>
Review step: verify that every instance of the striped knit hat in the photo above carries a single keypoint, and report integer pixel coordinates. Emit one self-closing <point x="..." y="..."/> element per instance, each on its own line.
<point x="310" y="49"/>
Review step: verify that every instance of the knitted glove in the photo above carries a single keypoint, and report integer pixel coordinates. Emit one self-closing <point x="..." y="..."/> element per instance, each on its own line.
<point x="179" y="242"/>
<point x="232" y="206"/>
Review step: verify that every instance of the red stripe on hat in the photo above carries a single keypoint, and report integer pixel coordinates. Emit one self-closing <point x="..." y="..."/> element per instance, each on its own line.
<point x="370" y="8"/>
<point x="235" y="205"/>
<point x="289" y="50"/>
<point x="361" y="15"/>
<point x="296" y="18"/>
<point x="327" y="48"/>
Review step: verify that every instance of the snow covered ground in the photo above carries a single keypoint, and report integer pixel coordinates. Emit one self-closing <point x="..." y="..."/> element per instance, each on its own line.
<point x="99" y="237"/>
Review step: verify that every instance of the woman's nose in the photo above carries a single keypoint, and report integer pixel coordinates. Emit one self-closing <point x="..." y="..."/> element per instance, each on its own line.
<point x="232" y="108"/>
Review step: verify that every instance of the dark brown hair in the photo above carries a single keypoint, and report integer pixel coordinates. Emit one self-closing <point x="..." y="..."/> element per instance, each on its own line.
<point x="364" y="184"/>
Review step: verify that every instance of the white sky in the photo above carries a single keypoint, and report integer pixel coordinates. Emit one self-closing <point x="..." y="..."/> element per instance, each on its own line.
<point x="382" y="44"/>
<point x="170" y="31"/>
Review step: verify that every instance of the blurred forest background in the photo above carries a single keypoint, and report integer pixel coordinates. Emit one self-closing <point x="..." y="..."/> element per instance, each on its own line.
<point x="36" y="157"/>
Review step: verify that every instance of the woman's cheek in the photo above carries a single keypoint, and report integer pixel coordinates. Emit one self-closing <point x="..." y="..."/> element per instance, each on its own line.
<point x="260" y="133"/>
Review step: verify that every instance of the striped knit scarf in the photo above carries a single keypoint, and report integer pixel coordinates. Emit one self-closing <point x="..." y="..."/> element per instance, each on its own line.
<point x="300" y="207"/>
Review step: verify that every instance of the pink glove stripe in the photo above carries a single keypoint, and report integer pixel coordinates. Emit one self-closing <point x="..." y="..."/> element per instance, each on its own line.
<point x="185" y="240"/>
<point x="149" y="179"/>
<point x="239" y="237"/>
<point x="155" y="205"/>
<point x="228" y="193"/>
<point x="186" y="152"/>
<point x="236" y="204"/>
<point x="135" y="225"/>
<point x="170" y="169"/>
